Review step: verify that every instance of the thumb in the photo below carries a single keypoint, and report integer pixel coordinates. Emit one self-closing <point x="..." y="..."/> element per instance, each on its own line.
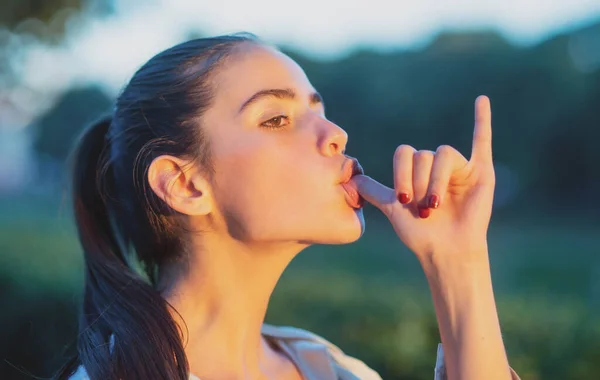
<point x="375" y="193"/>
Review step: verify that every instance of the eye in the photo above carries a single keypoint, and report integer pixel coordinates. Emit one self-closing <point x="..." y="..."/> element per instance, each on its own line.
<point x="276" y="122"/>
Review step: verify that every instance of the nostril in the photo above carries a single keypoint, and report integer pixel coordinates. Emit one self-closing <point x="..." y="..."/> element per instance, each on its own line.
<point x="334" y="147"/>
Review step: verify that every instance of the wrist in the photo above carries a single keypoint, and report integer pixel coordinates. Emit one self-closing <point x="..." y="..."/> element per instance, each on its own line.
<point x="451" y="259"/>
<point x="459" y="278"/>
<point x="463" y="297"/>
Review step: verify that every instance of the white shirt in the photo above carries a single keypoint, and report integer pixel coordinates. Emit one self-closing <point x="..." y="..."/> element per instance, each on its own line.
<point x="316" y="358"/>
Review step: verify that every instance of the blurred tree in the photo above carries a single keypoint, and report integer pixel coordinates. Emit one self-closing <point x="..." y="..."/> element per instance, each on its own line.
<point x="57" y="129"/>
<point x="24" y="23"/>
<point x="14" y="12"/>
<point x="542" y="105"/>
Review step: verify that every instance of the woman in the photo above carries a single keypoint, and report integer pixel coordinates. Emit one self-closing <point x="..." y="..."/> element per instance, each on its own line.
<point x="217" y="167"/>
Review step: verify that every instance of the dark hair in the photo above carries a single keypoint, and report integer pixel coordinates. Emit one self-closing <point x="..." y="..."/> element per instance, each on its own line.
<point x="126" y="330"/>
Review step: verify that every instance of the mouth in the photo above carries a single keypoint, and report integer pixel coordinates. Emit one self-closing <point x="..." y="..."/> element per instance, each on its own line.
<point x="352" y="168"/>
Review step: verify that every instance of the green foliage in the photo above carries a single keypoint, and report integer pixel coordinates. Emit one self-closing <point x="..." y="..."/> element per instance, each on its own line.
<point x="16" y="11"/>
<point x="369" y="298"/>
<point x="53" y="14"/>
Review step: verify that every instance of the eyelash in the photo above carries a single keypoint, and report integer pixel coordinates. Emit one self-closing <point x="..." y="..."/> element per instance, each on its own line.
<point x="265" y="124"/>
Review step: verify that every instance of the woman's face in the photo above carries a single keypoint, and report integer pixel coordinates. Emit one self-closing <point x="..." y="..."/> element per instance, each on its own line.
<point x="278" y="160"/>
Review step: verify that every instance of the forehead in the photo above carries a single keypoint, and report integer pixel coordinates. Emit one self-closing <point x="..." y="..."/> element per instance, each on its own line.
<point x="254" y="68"/>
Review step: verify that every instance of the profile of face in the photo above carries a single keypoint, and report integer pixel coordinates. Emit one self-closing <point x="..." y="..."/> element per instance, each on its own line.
<point x="278" y="162"/>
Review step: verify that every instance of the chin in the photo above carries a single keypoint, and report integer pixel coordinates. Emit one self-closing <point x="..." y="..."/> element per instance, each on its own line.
<point x="346" y="230"/>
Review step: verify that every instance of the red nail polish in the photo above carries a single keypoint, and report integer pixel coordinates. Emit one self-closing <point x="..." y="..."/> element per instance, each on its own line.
<point x="434" y="201"/>
<point x="404" y="198"/>
<point x="424" y="212"/>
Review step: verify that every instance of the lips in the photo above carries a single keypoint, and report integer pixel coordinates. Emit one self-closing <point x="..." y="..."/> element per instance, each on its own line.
<point x="350" y="169"/>
<point x="352" y="196"/>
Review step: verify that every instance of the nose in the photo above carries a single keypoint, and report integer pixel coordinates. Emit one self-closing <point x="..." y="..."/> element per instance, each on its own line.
<point x="332" y="139"/>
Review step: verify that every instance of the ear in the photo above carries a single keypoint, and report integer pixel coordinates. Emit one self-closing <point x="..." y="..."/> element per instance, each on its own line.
<point x="179" y="183"/>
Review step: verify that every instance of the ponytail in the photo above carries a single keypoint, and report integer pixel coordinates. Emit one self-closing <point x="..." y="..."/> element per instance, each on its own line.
<point x="126" y="330"/>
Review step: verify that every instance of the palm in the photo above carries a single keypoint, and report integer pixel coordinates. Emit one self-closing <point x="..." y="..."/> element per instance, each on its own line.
<point x="465" y="187"/>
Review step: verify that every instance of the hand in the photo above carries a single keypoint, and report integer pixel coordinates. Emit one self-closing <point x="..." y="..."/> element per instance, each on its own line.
<point x="448" y="200"/>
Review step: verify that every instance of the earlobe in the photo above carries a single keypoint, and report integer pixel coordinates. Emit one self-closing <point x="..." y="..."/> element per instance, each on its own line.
<point x="177" y="183"/>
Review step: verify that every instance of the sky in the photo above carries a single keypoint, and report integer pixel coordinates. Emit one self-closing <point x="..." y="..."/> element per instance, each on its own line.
<point x="109" y="50"/>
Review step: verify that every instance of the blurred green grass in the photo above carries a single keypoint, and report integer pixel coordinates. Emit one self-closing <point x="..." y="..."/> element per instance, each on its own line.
<point x="370" y="297"/>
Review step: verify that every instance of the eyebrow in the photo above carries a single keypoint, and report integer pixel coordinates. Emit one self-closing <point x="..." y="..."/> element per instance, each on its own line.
<point x="280" y="93"/>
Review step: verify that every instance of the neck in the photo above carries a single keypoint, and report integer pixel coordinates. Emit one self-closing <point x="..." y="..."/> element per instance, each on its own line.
<point x="221" y="292"/>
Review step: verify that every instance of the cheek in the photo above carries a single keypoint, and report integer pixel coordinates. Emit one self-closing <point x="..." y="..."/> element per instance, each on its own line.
<point x="273" y="192"/>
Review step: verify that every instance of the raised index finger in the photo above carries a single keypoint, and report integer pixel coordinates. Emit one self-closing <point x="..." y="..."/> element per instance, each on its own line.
<point x="482" y="134"/>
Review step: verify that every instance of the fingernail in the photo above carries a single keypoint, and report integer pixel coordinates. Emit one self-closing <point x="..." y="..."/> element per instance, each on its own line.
<point x="424" y="212"/>
<point x="434" y="201"/>
<point x="403" y="198"/>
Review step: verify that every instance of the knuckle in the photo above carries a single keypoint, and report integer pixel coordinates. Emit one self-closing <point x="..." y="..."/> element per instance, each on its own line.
<point x="424" y="154"/>
<point x="445" y="150"/>
<point x="403" y="149"/>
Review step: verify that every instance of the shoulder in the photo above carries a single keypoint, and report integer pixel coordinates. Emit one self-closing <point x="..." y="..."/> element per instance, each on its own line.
<point x="298" y="339"/>
<point x="81" y="374"/>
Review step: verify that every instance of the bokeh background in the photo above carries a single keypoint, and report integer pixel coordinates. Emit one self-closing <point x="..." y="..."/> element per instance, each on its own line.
<point x="391" y="73"/>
